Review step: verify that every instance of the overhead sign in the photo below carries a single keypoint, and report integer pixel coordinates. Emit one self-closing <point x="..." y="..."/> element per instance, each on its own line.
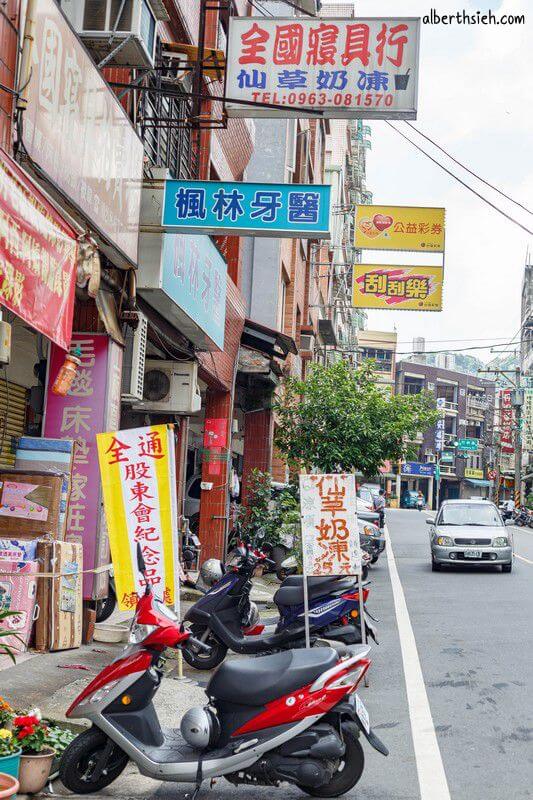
<point x="345" y="68"/>
<point x="467" y="444"/>
<point x="38" y="256"/>
<point x="507" y="421"/>
<point x="397" y="287"/>
<point x="473" y="473"/>
<point x="417" y="468"/>
<point x="251" y="209"/>
<point x="399" y="228"/>
<point x="79" y="134"/>
<point x="137" y="468"/>
<point x="330" y="534"/>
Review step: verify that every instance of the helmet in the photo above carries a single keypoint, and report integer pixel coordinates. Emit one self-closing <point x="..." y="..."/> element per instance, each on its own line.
<point x="252" y="616"/>
<point x="211" y="571"/>
<point x="200" y="727"/>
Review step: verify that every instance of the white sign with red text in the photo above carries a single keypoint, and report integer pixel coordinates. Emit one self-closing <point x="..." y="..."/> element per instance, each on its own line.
<point x="330" y="533"/>
<point x="347" y="68"/>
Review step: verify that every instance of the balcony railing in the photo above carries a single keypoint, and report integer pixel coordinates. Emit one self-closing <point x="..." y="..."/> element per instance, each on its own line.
<point x="447" y="469"/>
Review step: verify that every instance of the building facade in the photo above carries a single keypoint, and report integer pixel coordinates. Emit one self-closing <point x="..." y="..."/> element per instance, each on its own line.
<point x="467" y="405"/>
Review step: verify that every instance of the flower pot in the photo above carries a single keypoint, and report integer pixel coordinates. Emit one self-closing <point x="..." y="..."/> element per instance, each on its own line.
<point x="9" y="785"/>
<point x="9" y="765"/>
<point x="34" y="770"/>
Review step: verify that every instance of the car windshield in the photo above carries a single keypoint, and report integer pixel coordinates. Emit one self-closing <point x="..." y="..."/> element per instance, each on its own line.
<point x="484" y="515"/>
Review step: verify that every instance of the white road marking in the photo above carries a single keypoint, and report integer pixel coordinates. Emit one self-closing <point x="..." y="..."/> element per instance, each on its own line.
<point x="431" y="776"/>
<point x="523" y="558"/>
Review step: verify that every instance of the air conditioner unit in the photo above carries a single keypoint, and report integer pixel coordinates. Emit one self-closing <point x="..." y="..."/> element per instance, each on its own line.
<point x="131" y="38"/>
<point x="134" y="361"/>
<point x="430" y="458"/>
<point x="170" y="387"/>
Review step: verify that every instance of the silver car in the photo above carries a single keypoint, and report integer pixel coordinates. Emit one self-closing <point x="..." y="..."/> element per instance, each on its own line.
<point x="470" y="532"/>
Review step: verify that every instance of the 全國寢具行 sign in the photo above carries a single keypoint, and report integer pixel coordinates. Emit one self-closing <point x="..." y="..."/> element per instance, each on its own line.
<point x="344" y="68"/>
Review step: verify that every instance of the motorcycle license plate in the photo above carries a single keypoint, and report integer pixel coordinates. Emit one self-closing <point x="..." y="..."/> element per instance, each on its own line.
<point x="362" y="713"/>
<point x="473" y="553"/>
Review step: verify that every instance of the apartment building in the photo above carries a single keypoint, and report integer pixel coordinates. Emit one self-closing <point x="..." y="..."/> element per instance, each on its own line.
<point x="380" y="348"/>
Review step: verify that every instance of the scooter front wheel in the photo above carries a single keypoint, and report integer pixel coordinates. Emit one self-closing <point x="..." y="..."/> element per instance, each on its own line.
<point x="349" y="771"/>
<point x="80" y="769"/>
<point x="198" y="658"/>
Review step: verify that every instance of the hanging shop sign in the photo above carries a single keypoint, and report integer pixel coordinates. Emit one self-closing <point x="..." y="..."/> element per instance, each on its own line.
<point x="92" y="405"/>
<point x="184" y="277"/>
<point x="330" y="534"/>
<point x="251" y="209"/>
<point x="78" y="133"/>
<point x="440" y="425"/>
<point x="418" y="468"/>
<point x="343" y="68"/>
<point x="396" y="287"/>
<point x="38" y="255"/>
<point x="137" y="467"/>
<point x="474" y="473"/>
<point x="399" y="228"/>
<point x="507" y="421"/>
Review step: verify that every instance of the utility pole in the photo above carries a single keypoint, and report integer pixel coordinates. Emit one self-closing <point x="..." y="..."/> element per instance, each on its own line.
<point x="517" y="402"/>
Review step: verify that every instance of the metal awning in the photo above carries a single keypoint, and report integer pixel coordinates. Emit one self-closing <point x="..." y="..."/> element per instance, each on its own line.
<point x="478" y="481"/>
<point x="267" y="340"/>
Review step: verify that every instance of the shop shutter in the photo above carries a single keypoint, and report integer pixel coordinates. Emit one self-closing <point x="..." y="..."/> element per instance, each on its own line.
<point x="13" y="400"/>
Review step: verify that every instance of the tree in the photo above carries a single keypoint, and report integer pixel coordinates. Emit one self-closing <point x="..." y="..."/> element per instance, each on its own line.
<point x="339" y="419"/>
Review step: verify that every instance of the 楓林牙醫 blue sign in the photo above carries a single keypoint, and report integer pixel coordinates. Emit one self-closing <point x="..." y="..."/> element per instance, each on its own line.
<point x="252" y="209"/>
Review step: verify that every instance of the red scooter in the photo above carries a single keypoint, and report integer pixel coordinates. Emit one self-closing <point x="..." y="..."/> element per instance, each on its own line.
<point x="293" y="717"/>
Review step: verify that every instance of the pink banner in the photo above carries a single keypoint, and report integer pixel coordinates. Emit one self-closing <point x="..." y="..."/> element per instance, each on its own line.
<point x="80" y="416"/>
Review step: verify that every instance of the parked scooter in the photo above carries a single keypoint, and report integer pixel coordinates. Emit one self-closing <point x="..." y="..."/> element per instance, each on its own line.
<point x="292" y="717"/>
<point x="521" y="517"/>
<point x="221" y="618"/>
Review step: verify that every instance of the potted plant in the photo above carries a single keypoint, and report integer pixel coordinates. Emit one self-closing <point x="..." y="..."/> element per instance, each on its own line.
<point x="10" y="751"/>
<point x="37" y="755"/>
<point x="5" y="632"/>
<point x="9" y="785"/>
<point x="6" y="714"/>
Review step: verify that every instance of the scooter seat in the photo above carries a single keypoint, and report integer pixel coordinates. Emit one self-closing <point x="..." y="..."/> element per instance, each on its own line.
<point x="292" y="594"/>
<point x="257" y="681"/>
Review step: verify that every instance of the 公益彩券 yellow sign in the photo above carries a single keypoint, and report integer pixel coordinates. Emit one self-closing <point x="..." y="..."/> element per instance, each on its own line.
<point x="137" y="468"/>
<point x="399" y="228"/>
<point x="474" y="473"/>
<point x="397" y="287"/>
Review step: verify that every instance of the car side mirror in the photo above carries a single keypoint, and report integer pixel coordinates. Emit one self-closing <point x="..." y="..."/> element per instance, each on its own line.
<point x="430" y="521"/>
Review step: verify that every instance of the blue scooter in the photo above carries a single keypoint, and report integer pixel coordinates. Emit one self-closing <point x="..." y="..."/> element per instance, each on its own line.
<point x="222" y="618"/>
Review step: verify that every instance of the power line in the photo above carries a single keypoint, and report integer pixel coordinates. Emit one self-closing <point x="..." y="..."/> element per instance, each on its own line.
<point x="456" y="177"/>
<point x="455" y="350"/>
<point x="471" y="172"/>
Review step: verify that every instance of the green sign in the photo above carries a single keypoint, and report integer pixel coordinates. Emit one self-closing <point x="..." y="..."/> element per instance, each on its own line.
<point x="446" y="457"/>
<point x="467" y="444"/>
<point x="437" y="472"/>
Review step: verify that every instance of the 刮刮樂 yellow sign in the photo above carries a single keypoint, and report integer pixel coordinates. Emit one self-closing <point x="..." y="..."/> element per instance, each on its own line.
<point x="399" y="228"/>
<point x="397" y="287"/>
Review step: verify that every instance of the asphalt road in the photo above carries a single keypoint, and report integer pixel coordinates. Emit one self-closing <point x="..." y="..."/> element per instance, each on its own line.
<point x="471" y="631"/>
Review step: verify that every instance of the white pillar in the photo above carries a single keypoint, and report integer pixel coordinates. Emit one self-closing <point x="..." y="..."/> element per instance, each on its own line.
<point x="430" y="492"/>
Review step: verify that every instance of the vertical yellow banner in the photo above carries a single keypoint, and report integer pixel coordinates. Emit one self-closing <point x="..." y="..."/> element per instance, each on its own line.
<point x="136" y="468"/>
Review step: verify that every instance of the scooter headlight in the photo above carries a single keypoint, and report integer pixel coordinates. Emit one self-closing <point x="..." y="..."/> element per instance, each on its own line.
<point x="138" y="633"/>
<point x="99" y="694"/>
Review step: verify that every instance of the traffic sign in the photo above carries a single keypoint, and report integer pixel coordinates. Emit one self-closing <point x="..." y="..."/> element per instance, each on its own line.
<point x="492" y="474"/>
<point x="467" y="444"/>
<point x="437" y="472"/>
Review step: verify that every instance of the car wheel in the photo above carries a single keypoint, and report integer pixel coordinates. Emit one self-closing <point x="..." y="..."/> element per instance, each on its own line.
<point x="435" y="567"/>
<point x="507" y="567"/>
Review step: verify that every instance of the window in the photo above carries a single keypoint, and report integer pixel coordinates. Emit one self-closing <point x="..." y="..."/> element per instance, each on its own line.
<point x="412" y="385"/>
<point x="448" y="392"/>
<point x="483" y="514"/>
<point x="382" y="358"/>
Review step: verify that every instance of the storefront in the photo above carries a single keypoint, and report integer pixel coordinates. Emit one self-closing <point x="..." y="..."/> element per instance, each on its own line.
<point x="416" y="476"/>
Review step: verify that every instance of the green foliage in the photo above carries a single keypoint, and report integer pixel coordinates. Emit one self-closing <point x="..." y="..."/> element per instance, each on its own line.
<point x="8" y="743"/>
<point x="4" y="632"/>
<point x="340" y="419"/>
<point x="59" y="738"/>
<point x="254" y="515"/>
